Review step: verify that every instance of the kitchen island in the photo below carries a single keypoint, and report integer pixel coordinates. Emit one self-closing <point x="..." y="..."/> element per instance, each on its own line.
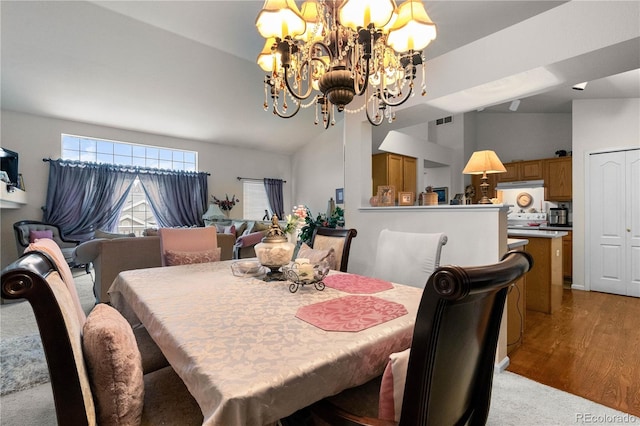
<point x="544" y="280"/>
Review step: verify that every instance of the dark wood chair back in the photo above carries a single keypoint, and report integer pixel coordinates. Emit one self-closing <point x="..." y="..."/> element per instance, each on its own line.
<point x="26" y="278"/>
<point x="450" y="371"/>
<point x="341" y="245"/>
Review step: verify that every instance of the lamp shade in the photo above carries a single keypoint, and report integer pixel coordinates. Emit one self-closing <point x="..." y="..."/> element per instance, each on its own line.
<point x="413" y="29"/>
<point x="280" y="18"/>
<point x="213" y="213"/>
<point x="360" y="13"/>
<point x="482" y="162"/>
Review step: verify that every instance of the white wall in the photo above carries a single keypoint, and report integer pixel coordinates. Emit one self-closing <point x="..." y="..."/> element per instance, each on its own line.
<point x="520" y="136"/>
<point x="598" y="125"/>
<point x="35" y="138"/>
<point x="318" y="170"/>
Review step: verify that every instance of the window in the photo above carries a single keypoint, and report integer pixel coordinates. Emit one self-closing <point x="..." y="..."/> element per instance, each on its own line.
<point x="255" y="203"/>
<point x="136" y="214"/>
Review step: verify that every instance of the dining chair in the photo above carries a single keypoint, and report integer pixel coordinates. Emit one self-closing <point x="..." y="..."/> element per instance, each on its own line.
<point x="337" y="238"/>
<point x="26" y="231"/>
<point x="407" y="257"/>
<point x="188" y="245"/>
<point x="448" y="371"/>
<point x="152" y="357"/>
<point x="95" y="368"/>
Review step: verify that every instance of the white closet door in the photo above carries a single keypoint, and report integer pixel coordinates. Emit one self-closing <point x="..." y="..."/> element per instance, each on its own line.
<point x="614" y="223"/>
<point x="633" y="222"/>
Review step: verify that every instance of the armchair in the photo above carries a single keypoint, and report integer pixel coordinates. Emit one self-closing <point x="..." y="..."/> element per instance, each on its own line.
<point x="27" y="230"/>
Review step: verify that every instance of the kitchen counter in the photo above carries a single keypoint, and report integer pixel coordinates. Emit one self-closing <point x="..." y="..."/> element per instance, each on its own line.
<point x="535" y="233"/>
<point x="514" y="243"/>
<point x="557" y="228"/>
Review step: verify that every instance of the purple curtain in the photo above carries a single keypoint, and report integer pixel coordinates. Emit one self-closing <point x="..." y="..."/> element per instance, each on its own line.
<point x="83" y="197"/>
<point x="274" y="194"/>
<point x="176" y="198"/>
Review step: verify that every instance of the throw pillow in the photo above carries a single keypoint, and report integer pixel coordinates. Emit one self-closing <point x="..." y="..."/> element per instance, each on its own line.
<point x="173" y="257"/>
<point x="259" y="226"/>
<point x="316" y="256"/>
<point x="225" y="229"/>
<point x="392" y="386"/>
<point x="150" y="232"/>
<point x="240" y="228"/>
<point x="115" y="367"/>
<point x="36" y="235"/>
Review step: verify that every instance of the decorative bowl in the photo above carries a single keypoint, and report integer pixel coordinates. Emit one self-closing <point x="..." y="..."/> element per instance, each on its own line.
<point x="301" y="274"/>
<point x="247" y="268"/>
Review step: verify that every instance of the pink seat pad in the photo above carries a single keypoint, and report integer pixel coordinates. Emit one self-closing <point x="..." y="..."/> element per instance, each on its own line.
<point x="356" y="284"/>
<point x="350" y="313"/>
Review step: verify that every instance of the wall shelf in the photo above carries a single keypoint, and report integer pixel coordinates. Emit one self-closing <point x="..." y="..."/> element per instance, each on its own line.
<point x="13" y="199"/>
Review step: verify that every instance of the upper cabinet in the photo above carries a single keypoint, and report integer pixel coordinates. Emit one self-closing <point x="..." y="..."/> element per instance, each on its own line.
<point x="557" y="179"/>
<point x="556" y="173"/>
<point x="522" y="170"/>
<point x="394" y="169"/>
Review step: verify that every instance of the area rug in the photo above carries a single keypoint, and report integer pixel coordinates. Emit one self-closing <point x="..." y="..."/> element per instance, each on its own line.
<point x="22" y="363"/>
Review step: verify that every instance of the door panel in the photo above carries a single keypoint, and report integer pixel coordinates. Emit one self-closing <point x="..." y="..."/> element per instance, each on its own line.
<point x="607" y="222"/>
<point x="614" y="224"/>
<point x="633" y="221"/>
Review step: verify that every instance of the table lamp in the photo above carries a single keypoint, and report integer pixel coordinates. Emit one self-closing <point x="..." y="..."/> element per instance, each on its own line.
<point x="213" y="214"/>
<point x="481" y="163"/>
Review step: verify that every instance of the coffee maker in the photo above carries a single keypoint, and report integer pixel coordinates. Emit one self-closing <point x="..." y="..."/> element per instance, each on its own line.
<point x="558" y="216"/>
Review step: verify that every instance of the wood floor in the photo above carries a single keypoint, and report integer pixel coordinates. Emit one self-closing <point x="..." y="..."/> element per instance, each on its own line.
<point x="590" y="347"/>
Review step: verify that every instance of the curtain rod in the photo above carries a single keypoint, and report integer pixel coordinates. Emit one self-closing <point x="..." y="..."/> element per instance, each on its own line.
<point x="151" y="169"/>
<point x="255" y="179"/>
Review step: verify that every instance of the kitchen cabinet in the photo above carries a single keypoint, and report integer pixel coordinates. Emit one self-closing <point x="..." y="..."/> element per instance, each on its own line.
<point x="567" y="256"/>
<point x="394" y="169"/>
<point x="544" y="280"/>
<point x="516" y="313"/>
<point x="522" y="170"/>
<point x="558" y="179"/>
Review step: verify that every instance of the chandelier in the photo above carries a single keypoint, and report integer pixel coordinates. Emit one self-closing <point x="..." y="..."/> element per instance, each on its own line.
<point x="332" y="50"/>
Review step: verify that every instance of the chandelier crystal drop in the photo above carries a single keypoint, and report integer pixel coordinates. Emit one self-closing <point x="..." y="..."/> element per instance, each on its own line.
<point x="330" y="51"/>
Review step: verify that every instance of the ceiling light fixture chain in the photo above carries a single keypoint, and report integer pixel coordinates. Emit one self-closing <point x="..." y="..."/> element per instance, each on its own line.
<point x="343" y="49"/>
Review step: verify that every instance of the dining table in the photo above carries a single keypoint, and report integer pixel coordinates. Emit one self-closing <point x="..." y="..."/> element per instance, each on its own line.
<point x="252" y="352"/>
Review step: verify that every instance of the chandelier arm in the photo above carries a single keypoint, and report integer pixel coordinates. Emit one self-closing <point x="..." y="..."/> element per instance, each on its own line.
<point x="371" y="121"/>
<point x="276" y="112"/>
<point x="293" y="93"/>
<point x="366" y="80"/>
<point x="395" y="104"/>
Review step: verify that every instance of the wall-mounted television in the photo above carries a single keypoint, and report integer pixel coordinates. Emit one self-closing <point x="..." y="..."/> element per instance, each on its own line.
<point x="9" y="164"/>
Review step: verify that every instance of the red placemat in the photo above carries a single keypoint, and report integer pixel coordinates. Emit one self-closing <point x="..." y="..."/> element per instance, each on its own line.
<point x="356" y="284"/>
<point x="350" y="313"/>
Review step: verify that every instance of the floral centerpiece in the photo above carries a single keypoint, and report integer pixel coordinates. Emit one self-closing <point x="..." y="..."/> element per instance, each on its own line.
<point x="227" y="204"/>
<point x="295" y="221"/>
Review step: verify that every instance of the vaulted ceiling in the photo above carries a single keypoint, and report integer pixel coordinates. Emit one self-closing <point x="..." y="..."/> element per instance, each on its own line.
<point x="187" y="68"/>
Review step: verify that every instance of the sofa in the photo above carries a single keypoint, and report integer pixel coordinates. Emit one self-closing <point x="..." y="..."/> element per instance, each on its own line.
<point x="110" y="256"/>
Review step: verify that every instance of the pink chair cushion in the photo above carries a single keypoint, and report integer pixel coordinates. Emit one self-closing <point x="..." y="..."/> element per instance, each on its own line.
<point x="392" y="386"/>
<point x="173" y="257"/>
<point x="36" y="235"/>
<point x="187" y="239"/>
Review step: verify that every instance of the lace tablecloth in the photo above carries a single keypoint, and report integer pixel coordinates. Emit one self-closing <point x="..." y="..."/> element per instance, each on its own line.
<point x="238" y="346"/>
